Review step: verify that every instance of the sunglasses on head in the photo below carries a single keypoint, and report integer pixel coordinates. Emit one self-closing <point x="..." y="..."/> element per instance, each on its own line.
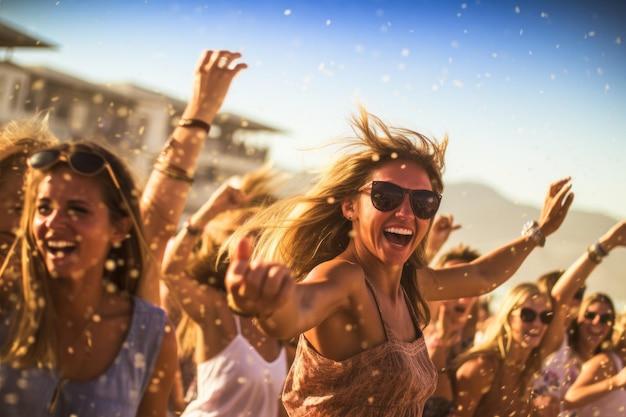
<point x="605" y="318"/>
<point x="528" y="315"/>
<point x="81" y="162"/>
<point x="387" y="196"/>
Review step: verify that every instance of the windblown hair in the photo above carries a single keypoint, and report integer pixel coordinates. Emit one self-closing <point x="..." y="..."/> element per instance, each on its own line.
<point x="497" y="339"/>
<point x="574" y="327"/>
<point x="460" y="252"/>
<point x="306" y="230"/>
<point x="32" y="339"/>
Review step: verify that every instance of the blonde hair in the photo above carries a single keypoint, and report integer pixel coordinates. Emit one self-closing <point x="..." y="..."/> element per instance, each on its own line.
<point x="497" y="339"/>
<point x="209" y="262"/>
<point x="32" y="336"/>
<point x="306" y="230"/>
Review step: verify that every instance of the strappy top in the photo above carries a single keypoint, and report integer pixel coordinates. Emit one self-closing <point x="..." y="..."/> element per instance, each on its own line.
<point x="239" y="382"/>
<point x="394" y="378"/>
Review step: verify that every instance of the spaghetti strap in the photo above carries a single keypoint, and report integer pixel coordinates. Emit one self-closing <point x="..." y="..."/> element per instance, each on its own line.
<point x="390" y="335"/>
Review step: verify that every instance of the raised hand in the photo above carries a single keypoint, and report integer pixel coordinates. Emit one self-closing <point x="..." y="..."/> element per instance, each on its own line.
<point x="212" y="78"/>
<point x="256" y="288"/>
<point x="556" y="205"/>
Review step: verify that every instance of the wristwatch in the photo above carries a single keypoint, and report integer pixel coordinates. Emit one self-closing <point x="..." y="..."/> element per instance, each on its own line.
<point x="531" y="229"/>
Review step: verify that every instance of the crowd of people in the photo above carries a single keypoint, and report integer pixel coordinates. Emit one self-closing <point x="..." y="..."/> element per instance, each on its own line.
<point x="334" y="301"/>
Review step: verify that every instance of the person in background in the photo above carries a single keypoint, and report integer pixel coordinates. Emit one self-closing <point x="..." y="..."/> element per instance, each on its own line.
<point x="446" y="336"/>
<point x="18" y="139"/>
<point x="496" y="375"/>
<point x="240" y="371"/>
<point x="74" y="338"/>
<point x="599" y="388"/>
<point x="561" y="368"/>
<point x="165" y="193"/>
<point x="343" y="268"/>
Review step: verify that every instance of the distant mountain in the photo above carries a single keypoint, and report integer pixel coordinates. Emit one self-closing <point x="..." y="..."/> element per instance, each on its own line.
<point x="489" y="220"/>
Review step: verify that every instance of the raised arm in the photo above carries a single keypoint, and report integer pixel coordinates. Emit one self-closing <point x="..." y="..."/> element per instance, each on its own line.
<point x="493" y="268"/>
<point x="166" y="190"/>
<point x="575" y="277"/>
<point x="443" y="226"/>
<point x="597" y="378"/>
<point x="198" y="298"/>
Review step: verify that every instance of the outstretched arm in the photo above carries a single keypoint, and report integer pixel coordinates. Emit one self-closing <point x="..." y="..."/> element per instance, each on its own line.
<point x="493" y="268"/>
<point x="574" y="278"/>
<point x="166" y="190"/>
<point x="199" y="299"/>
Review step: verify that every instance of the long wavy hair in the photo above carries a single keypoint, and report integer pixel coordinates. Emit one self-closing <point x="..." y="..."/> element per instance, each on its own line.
<point x="308" y="229"/>
<point x="32" y="338"/>
<point x="574" y="327"/>
<point x="497" y="340"/>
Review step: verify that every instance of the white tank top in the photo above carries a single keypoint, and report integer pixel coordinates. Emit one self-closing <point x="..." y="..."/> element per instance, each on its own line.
<point x="239" y="382"/>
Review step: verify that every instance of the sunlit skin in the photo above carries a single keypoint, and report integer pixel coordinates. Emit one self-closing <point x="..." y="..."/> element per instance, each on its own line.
<point x="373" y="247"/>
<point x="458" y="309"/>
<point x="72" y="225"/>
<point x="529" y="335"/>
<point x="11" y="201"/>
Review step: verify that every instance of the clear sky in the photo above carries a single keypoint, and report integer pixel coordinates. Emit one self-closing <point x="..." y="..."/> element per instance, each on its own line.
<point x="528" y="91"/>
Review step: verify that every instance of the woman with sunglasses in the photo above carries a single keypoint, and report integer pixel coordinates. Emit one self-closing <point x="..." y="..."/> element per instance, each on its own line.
<point x="75" y="340"/>
<point x="560" y="368"/>
<point x="343" y="268"/>
<point x="599" y="388"/>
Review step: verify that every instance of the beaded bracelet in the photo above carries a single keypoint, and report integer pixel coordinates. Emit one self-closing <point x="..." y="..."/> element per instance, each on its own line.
<point x="173" y="172"/>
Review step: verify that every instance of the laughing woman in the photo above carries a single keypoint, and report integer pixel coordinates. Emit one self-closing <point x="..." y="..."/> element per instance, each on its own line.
<point x="343" y="267"/>
<point x="74" y="339"/>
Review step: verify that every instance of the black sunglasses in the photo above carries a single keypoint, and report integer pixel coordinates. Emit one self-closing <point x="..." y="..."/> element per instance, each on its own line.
<point x="605" y="318"/>
<point x="528" y="315"/>
<point x="387" y="196"/>
<point x="81" y="162"/>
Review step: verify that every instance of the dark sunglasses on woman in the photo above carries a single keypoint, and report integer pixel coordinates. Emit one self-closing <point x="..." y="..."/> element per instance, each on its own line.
<point x="387" y="196"/>
<point x="605" y="318"/>
<point x="81" y="162"/>
<point x="528" y="315"/>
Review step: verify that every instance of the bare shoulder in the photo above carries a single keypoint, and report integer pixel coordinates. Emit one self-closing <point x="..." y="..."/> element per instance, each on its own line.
<point x="337" y="270"/>
<point x="481" y="366"/>
<point x="601" y="362"/>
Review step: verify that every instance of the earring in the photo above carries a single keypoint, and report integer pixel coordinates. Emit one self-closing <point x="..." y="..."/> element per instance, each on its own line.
<point x="349" y="218"/>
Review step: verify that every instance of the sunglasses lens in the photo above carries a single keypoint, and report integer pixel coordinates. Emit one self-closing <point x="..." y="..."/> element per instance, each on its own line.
<point x="86" y="163"/>
<point x="528" y="315"/>
<point x="425" y="203"/>
<point x="604" y="318"/>
<point x="44" y="159"/>
<point x="386" y="196"/>
<point x="546" y="317"/>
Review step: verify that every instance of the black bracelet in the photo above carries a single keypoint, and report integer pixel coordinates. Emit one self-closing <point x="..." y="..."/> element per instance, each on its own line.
<point x="195" y="123"/>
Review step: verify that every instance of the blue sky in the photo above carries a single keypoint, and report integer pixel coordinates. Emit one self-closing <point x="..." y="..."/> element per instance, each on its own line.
<point x="528" y="91"/>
